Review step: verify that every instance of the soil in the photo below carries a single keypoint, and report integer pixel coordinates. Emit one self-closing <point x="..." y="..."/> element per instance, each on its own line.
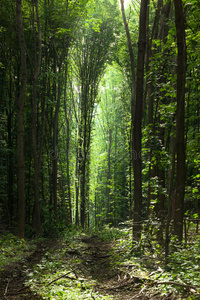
<point x="95" y="262"/>
<point x="13" y="277"/>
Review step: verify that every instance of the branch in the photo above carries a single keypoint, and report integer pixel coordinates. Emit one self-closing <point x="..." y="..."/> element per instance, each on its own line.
<point x="6" y="290"/>
<point x="141" y="280"/>
<point x="62" y="276"/>
<point x="178" y="284"/>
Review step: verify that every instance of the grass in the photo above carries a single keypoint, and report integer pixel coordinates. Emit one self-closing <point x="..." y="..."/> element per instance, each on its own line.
<point x="146" y="261"/>
<point x="58" y="276"/>
<point x="13" y="249"/>
<point x="55" y="277"/>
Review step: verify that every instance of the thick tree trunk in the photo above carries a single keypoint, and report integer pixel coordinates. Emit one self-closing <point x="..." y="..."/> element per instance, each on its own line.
<point x="137" y="130"/>
<point x="180" y="119"/>
<point x="67" y="152"/>
<point x="151" y="96"/>
<point x="37" y="64"/>
<point x="133" y="94"/>
<point x="20" y="123"/>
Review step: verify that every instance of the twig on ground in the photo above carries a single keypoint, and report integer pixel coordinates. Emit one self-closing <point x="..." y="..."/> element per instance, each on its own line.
<point x="18" y="293"/>
<point x="103" y="256"/>
<point x="6" y="289"/>
<point x="152" y="281"/>
<point x="167" y="282"/>
<point x="62" y="276"/>
<point x="140" y="292"/>
<point x="92" y="295"/>
<point x="178" y="284"/>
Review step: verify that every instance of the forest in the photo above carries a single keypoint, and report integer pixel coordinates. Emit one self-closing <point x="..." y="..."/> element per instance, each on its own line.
<point x="99" y="149"/>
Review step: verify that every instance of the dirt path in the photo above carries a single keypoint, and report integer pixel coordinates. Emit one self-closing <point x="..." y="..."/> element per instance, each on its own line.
<point x="95" y="262"/>
<point x="98" y="264"/>
<point x="12" y="278"/>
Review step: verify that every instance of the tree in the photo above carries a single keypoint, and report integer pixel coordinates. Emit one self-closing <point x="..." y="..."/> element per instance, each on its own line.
<point x="180" y="120"/>
<point x="37" y="158"/>
<point x="137" y="123"/>
<point x="109" y="153"/>
<point x="92" y="51"/>
<point x="20" y="121"/>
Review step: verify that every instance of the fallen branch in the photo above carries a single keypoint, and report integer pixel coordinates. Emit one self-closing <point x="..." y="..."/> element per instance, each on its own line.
<point x="189" y="286"/>
<point x="111" y="276"/>
<point x="18" y="293"/>
<point x="62" y="276"/>
<point x="92" y="295"/>
<point x="103" y="256"/>
<point x="136" y="279"/>
<point x="178" y="284"/>
<point x="6" y="289"/>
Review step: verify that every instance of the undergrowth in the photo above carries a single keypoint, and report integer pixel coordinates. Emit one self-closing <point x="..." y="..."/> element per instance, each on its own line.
<point x="13" y="249"/>
<point x="145" y="259"/>
<point x="58" y="275"/>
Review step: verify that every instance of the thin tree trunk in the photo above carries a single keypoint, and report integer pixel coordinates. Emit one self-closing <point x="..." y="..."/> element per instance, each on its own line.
<point x="77" y="186"/>
<point x="10" y="160"/>
<point x="55" y="140"/>
<point x="180" y="120"/>
<point x="170" y="201"/>
<point x="137" y="130"/>
<point x="37" y="64"/>
<point x="115" y="174"/>
<point x="130" y="178"/>
<point x="20" y="123"/>
<point x="67" y="152"/>
<point x="108" y="175"/>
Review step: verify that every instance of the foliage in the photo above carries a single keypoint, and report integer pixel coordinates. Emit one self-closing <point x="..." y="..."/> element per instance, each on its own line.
<point x="13" y="249"/>
<point x="85" y="61"/>
<point x="55" y="277"/>
<point x="147" y="262"/>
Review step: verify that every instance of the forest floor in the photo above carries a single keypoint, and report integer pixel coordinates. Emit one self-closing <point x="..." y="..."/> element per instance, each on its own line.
<point x="13" y="276"/>
<point x="90" y="260"/>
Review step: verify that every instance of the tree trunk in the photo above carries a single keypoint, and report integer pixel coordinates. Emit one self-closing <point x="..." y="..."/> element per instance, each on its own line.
<point x="57" y="92"/>
<point x="151" y="96"/>
<point x="20" y="123"/>
<point x="67" y="153"/>
<point x="133" y="93"/>
<point x="77" y="187"/>
<point x="108" y="175"/>
<point x="82" y="193"/>
<point x="10" y="162"/>
<point x="37" y="64"/>
<point x="180" y="119"/>
<point x="170" y="201"/>
<point x="137" y="129"/>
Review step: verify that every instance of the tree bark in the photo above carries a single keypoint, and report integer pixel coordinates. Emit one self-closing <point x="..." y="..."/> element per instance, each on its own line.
<point x="108" y="174"/>
<point x="180" y="120"/>
<point x="133" y="95"/>
<point x="67" y="153"/>
<point x="137" y="129"/>
<point x="37" y="160"/>
<point x="10" y="159"/>
<point x="20" y="122"/>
